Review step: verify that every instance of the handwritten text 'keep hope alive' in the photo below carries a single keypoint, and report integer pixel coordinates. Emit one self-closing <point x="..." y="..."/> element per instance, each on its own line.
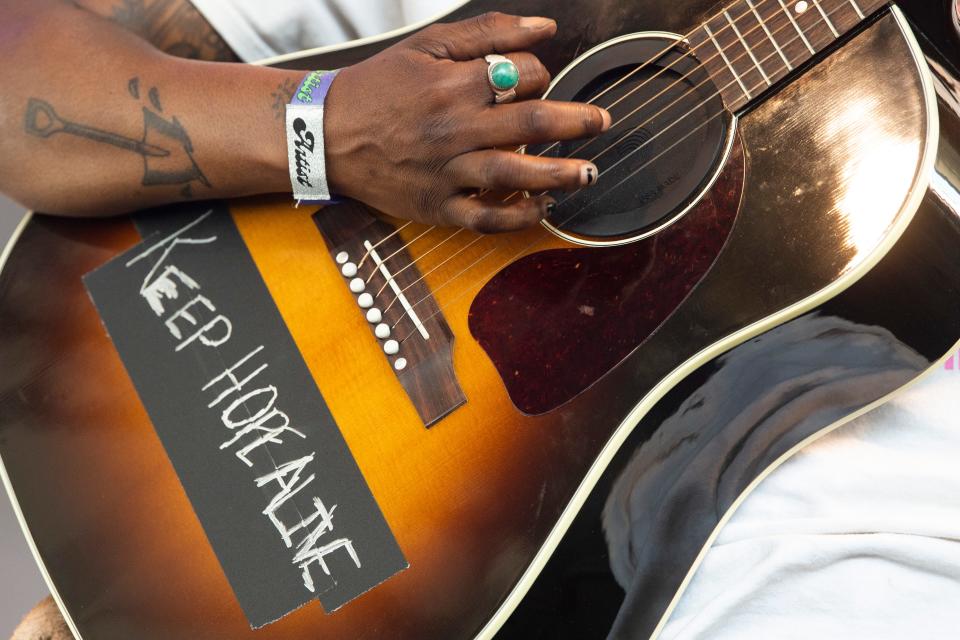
<point x="244" y="403"/>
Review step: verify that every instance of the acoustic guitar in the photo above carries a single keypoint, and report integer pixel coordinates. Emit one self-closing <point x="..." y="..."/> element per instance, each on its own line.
<point x="439" y="434"/>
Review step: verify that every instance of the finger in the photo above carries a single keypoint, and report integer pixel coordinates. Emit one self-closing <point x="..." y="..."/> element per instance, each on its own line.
<point x="534" y="77"/>
<point x="538" y="121"/>
<point x="490" y="215"/>
<point x="508" y="171"/>
<point x="483" y="34"/>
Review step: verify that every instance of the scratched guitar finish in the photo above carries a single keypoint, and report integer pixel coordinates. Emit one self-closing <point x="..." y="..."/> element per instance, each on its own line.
<point x="497" y="393"/>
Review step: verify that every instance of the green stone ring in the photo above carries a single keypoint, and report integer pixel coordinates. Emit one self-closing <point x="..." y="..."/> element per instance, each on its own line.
<point x="503" y="76"/>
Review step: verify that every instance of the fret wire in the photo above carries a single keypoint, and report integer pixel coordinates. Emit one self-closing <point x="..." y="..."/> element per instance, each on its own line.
<point x="843" y="15"/>
<point x="723" y="55"/>
<point x="721" y="91"/>
<point x="534" y="244"/>
<point x="763" y="25"/>
<point x="855" y="8"/>
<point x="762" y="22"/>
<point x="724" y="88"/>
<point x="836" y="34"/>
<point x="796" y="26"/>
<point x="747" y="47"/>
<point x="674" y="123"/>
<point x="642" y="66"/>
<point x="744" y="73"/>
<point x="729" y="66"/>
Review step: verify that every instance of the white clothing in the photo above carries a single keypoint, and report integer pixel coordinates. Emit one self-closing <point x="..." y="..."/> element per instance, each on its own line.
<point x="857" y="536"/>
<point x="257" y="29"/>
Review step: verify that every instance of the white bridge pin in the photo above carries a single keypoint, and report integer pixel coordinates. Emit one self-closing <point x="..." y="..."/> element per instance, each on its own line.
<point x="400" y="364"/>
<point x="349" y="270"/>
<point x="374" y="316"/>
<point x="365" y="300"/>
<point x="390" y="347"/>
<point x="357" y="285"/>
<point x="342" y="257"/>
<point x="382" y="331"/>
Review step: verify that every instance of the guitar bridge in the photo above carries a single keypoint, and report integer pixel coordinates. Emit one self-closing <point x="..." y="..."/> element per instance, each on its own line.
<point x="396" y="301"/>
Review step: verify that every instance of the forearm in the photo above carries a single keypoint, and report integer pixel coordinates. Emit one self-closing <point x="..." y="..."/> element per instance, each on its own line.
<point x="96" y="121"/>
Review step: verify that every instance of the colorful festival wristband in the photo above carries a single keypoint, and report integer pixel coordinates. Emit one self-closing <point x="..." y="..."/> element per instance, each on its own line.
<point x="305" y="148"/>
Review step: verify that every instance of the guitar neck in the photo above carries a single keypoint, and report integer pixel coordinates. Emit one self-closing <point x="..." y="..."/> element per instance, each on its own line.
<point x="752" y="44"/>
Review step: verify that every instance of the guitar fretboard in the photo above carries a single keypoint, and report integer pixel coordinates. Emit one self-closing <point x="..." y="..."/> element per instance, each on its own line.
<point x="754" y="43"/>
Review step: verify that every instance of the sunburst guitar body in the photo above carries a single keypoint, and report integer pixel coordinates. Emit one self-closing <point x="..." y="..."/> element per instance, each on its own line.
<point x="553" y="423"/>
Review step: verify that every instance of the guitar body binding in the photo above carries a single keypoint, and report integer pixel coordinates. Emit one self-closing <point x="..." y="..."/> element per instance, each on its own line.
<point x="500" y="507"/>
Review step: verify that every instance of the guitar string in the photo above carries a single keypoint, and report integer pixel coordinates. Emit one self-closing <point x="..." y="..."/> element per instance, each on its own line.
<point x="741" y="38"/>
<point x="673" y="46"/>
<point x="573" y="194"/>
<point x="373" y="272"/>
<point x="393" y="276"/>
<point x="747" y="94"/>
<point x="493" y="250"/>
<point x="382" y="240"/>
<point x="537" y="244"/>
<point x="596" y="97"/>
<point x="619" y="121"/>
<point x="679" y="80"/>
<point x="510" y="260"/>
<point x="788" y="66"/>
<point x="760" y="23"/>
<point x="480" y="237"/>
<point x="721" y="51"/>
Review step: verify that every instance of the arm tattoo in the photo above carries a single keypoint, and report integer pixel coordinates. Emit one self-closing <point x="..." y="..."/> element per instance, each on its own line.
<point x="164" y="145"/>
<point x="282" y="96"/>
<point x="174" y="26"/>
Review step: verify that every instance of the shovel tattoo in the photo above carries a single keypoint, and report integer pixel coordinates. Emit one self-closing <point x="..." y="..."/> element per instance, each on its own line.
<point x="43" y="121"/>
<point x="179" y="168"/>
<point x="165" y="147"/>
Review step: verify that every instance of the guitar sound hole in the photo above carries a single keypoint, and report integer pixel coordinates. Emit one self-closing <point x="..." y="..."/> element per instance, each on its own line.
<point x="669" y="138"/>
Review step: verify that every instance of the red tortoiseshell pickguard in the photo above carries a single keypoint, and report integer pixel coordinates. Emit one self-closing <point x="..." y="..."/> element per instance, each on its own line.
<point x="556" y="321"/>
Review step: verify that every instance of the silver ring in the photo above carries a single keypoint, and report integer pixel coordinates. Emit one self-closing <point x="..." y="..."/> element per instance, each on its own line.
<point x="503" y="76"/>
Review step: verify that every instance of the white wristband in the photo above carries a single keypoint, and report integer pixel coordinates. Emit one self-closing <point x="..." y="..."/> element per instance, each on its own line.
<point x="306" y="155"/>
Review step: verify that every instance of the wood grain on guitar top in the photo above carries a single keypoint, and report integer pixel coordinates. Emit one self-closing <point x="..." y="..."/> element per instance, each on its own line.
<point x="403" y="302"/>
<point x="470" y="500"/>
<point x="555" y="321"/>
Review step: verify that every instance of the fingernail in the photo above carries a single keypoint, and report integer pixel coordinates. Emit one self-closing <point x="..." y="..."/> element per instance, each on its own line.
<point x="607" y="119"/>
<point x="588" y="174"/>
<point x="551" y="207"/>
<point x="535" y="23"/>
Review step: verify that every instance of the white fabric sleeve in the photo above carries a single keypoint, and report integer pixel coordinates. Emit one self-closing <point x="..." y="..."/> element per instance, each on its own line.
<point x="855" y="537"/>
<point x="256" y="29"/>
